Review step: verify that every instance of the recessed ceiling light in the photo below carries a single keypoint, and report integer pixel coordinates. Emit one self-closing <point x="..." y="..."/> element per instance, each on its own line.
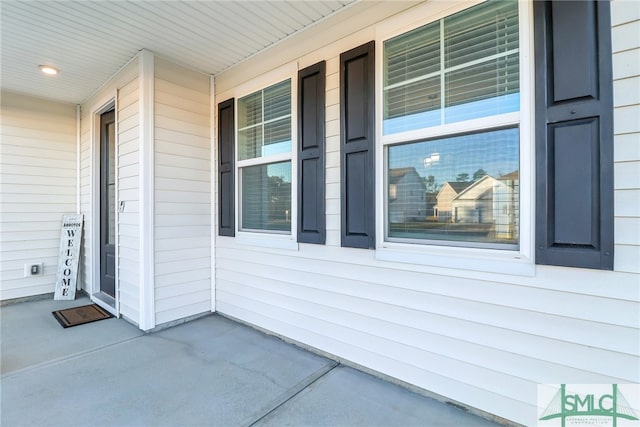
<point x="49" y="70"/>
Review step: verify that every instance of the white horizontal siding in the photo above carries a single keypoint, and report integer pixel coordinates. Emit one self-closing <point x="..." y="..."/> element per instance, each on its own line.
<point x="182" y="211"/>
<point x="624" y="11"/>
<point x="449" y="330"/>
<point x="626" y="48"/>
<point x="483" y="339"/>
<point x="37" y="186"/>
<point x="332" y="129"/>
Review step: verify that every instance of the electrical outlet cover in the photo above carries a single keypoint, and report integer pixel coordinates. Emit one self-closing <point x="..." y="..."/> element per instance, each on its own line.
<point x="33" y="269"/>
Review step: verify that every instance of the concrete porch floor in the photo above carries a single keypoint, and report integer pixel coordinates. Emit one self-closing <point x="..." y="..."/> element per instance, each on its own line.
<point x="208" y="372"/>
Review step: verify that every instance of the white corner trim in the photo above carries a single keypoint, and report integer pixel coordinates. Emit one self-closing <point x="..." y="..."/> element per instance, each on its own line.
<point x="146" y="196"/>
<point x="116" y="171"/>
<point x="78" y="149"/>
<point x="93" y="214"/>
<point x="214" y="182"/>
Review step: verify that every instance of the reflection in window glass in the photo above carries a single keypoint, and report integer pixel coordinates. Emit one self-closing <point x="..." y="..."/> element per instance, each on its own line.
<point x="264" y="122"/>
<point x="462" y="67"/>
<point x="266" y="197"/>
<point x="462" y="188"/>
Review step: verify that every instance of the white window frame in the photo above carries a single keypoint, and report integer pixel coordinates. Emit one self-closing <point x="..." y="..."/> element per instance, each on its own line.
<point x="264" y="238"/>
<point x="433" y="254"/>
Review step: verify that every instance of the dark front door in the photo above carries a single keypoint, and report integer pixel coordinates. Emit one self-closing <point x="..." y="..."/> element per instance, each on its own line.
<point x="107" y="204"/>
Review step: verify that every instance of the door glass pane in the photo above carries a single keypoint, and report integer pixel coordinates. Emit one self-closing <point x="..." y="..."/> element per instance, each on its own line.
<point x="111" y="184"/>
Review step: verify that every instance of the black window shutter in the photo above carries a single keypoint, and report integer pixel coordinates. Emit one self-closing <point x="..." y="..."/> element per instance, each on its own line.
<point x="574" y="134"/>
<point x="311" y="154"/>
<point x="226" y="169"/>
<point x="357" y="138"/>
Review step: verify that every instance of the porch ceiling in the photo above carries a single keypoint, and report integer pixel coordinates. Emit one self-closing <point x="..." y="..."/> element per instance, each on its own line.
<point x="89" y="41"/>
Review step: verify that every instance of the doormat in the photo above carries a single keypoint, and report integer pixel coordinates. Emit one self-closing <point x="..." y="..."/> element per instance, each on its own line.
<point x="80" y="315"/>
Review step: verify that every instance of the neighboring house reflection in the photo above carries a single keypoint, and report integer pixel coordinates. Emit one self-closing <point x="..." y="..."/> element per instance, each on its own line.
<point x="485" y="201"/>
<point x="407" y="195"/>
<point x="444" y="199"/>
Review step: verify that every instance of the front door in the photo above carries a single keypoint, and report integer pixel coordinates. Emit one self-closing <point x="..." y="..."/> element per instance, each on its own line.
<point x="107" y="204"/>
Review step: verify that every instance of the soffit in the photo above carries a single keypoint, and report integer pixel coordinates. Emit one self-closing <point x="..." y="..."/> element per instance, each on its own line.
<point x="89" y="41"/>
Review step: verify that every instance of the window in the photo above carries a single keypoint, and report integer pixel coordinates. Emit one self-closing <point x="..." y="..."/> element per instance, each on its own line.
<point x="450" y="131"/>
<point x="264" y="159"/>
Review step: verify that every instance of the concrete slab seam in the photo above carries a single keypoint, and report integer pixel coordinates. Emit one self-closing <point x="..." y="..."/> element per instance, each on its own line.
<point x="305" y="384"/>
<point x="66" y="358"/>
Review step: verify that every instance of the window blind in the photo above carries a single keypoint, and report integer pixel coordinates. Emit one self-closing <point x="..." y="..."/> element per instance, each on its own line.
<point x="462" y="67"/>
<point x="266" y="197"/>
<point x="264" y="122"/>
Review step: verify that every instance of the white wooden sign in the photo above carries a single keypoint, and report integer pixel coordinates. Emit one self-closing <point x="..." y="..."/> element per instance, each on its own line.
<point x="70" y="238"/>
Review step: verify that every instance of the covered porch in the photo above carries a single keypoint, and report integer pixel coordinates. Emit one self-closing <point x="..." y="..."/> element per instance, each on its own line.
<point x="236" y="162"/>
<point x="211" y="371"/>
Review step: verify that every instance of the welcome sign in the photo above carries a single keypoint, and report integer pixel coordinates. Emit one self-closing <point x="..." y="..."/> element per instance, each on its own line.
<point x="70" y="238"/>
